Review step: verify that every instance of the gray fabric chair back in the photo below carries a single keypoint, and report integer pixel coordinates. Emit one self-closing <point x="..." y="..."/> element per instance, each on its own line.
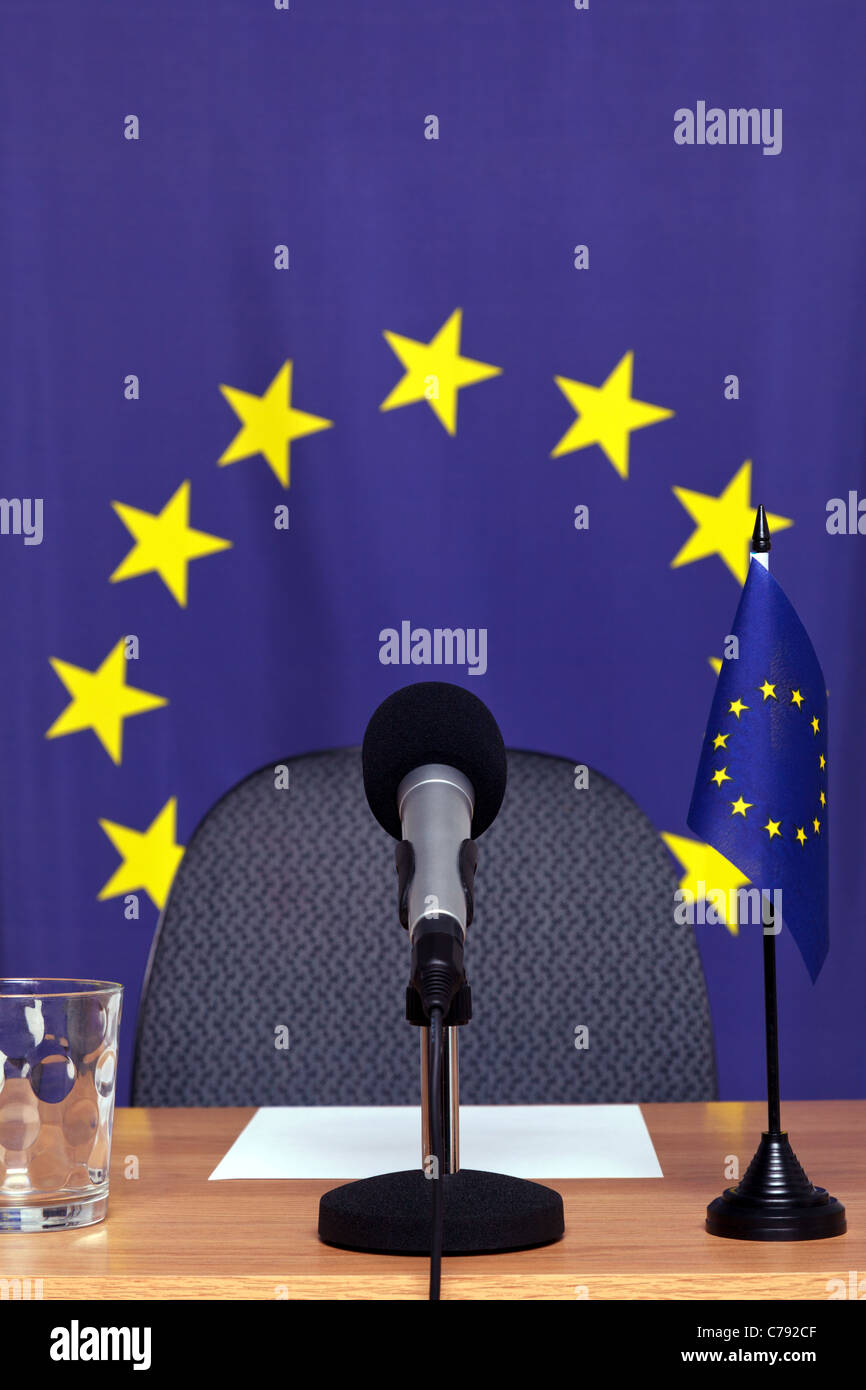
<point x="282" y="925"/>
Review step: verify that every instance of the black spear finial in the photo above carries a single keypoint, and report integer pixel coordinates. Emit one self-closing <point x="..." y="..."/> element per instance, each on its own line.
<point x="761" y="542"/>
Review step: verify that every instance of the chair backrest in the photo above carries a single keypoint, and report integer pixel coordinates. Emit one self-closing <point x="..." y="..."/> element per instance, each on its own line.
<point x="281" y="927"/>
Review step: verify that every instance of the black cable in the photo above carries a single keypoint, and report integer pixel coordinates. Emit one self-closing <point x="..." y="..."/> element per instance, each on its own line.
<point x="434" y="1108"/>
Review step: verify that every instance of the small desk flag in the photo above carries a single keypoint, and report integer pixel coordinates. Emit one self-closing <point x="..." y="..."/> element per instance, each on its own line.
<point x="760" y="795"/>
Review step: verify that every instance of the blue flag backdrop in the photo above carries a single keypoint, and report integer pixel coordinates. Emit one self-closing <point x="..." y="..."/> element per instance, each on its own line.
<point x="495" y="317"/>
<point x="760" y="794"/>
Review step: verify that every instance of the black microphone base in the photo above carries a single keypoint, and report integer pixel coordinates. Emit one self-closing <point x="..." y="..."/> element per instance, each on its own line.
<point x="482" y="1213"/>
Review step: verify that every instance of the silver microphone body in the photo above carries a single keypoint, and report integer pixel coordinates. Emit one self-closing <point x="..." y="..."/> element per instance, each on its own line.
<point x="436" y="804"/>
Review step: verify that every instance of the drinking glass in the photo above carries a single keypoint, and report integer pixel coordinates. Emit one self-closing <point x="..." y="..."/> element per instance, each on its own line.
<point x="58" y="1064"/>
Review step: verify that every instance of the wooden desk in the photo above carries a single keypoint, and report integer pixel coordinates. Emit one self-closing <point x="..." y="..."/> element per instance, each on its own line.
<point x="172" y="1234"/>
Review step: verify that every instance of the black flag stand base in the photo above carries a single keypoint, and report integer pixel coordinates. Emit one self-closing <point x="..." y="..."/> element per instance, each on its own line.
<point x="482" y="1213"/>
<point x="775" y="1200"/>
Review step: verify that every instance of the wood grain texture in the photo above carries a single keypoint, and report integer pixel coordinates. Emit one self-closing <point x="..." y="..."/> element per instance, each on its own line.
<point x="172" y="1234"/>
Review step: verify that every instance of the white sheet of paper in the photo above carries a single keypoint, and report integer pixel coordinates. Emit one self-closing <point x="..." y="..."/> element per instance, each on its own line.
<point x="526" y="1141"/>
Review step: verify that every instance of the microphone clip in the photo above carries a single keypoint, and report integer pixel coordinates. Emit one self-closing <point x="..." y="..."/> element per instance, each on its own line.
<point x="437" y="975"/>
<point x="467" y="863"/>
<point x="459" y="1013"/>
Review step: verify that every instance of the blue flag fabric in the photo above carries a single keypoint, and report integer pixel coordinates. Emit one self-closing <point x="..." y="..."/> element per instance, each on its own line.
<point x="760" y="795"/>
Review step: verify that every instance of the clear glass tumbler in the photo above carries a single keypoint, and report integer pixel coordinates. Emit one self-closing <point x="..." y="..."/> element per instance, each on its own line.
<point x="58" y="1064"/>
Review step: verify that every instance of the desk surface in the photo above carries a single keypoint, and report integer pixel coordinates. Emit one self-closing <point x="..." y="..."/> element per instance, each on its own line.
<point x="172" y="1234"/>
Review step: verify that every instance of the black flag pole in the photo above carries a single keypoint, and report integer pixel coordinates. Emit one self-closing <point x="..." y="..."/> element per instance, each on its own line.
<point x="771" y="1019"/>
<point x="775" y="1199"/>
<point x="760" y="547"/>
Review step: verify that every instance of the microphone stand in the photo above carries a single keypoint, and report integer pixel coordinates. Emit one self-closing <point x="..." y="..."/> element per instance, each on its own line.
<point x="450" y="1101"/>
<point x="483" y="1213"/>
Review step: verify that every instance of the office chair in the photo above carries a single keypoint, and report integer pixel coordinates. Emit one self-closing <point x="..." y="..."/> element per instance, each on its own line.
<point x="281" y="928"/>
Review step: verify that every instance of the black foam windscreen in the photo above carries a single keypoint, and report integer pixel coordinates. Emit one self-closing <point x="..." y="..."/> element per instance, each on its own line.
<point x="433" y="722"/>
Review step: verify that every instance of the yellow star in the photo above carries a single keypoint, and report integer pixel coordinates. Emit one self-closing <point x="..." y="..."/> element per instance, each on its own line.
<point x="720" y="776"/>
<point x="769" y="691"/>
<point x="165" y="543"/>
<point x="707" y="871"/>
<point x="815" y="725"/>
<point x="737" y="707"/>
<point x="796" y="698"/>
<point x="101" y="700"/>
<point x="150" y="857"/>
<point x="817" y="826"/>
<point x="822" y="761"/>
<point x="773" y="827"/>
<point x="270" y="423"/>
<point x="801" y="835"/>
<point x="606" y="415"/>
<point x="724" y="524"/>
<point x="716" y="663"/>
<point x="822" y="798"/>
<point x="721" y="740"/>
<point x="435" y="371"/>
<point x="741" y="807"/>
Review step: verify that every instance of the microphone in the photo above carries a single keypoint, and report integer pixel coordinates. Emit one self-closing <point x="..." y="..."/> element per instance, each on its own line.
<point x="434" y="774"/>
